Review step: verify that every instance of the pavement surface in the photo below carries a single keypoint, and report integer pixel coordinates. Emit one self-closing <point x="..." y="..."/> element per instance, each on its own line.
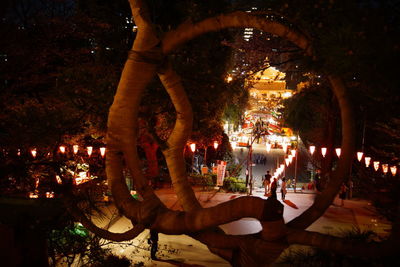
<point x="182" y="250"/>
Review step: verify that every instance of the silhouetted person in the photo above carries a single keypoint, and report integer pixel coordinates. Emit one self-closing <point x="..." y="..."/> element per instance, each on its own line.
<point x="274" y="186"/>
<point x="153" y="241"/>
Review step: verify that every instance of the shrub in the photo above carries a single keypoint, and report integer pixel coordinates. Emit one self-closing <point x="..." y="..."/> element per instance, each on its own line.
<point x="234" y="184"/>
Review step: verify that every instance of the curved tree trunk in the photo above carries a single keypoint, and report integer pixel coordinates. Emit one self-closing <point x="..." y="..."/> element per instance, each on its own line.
<point x="143" y="63"/>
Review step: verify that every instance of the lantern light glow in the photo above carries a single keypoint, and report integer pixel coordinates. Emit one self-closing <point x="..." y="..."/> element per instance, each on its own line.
<point x="34" y="152"/>
<point x="323" y="151"/>
<point x="367" y="161"/>
<point x="359" y="155"/>
<point x="89" y="150"/>
<point x="215" y="144"/>
<point x="293" y="152"/>
<point x="338" y="152"/>
<point x="385" y="168"/>
<point x="376" y="165"/>
<point x="312" y="149"/>
<point x="75" y="148"/>
<point x="393" y="170"/>
<point x="62" y="149"/>
<point x="102" y="151"/>
<point x="193" y="147"/>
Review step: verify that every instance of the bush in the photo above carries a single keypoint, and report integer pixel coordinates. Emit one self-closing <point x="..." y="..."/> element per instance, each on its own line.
<point x="234" y="184"/>
<point x="208" y="180"/>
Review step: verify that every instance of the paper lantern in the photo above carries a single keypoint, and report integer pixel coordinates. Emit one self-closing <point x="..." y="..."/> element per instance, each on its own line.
<point x="393" y="170"/>
<point x="102" y="151"/>
<point x="367" y="161"/>
<point x="62" y="149"/>
<point x="323" y="151"/>
<point x="193" y="147"/>
<point x="312" y="149"/>
<point x="89" y="150"/>
<point x="75" y="148"/>
<point x="287" y="161"/>
<point x="376" y="165"/>
<point x="215" y="144"/>
<point x="338" y="152"/>
<point x="359" y="156"/>
<point x="34" y="152"/>
<point x="293" y="152"/>
<point x="385" y="168"/>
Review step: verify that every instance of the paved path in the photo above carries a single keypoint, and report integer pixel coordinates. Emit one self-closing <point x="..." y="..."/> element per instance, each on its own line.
<point x="184" y="251"/>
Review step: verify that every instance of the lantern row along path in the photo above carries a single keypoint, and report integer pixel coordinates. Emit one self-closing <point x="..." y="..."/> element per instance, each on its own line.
<point x="182" y="250"/>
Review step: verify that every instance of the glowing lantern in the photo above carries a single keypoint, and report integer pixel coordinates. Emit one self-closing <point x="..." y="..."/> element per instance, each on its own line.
<point x="282" y="166"/>
<point x="312" y="149"/>
<point x="293" y="152"/>
<point x="268" y="147"/>
<point x="89" y="150"/>
<point x="58" y="178"/>
<point x="393" y="170"/>
<point x="290" y="158"/>
<point x="215" y="144"/>
<point x="233" y="144"/>
<point x="367" y="161"/>
<point x="359" y="155"/>
<point x="287" y="161"/>
<point x="62" y="149"/>
<point x="193" y="147"/>
<point x="376" y="165"/>
<point x="34" y="152"/>
<point x="75" y="148"/>
<point x="33" y="195"/>
<point x="338" y="152"/>
<point x="284" y="147"/>
<point x="19" y="152"/>
<point x="323" y="151"/>
<point x="102" y="151"/>
<point x="229" y="79"/>
<point x="385" y="168"/>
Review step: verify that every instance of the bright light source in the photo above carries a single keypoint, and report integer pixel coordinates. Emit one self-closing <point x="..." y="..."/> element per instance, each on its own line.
<point x="376" y="165"/>
<point x="284" y="147"/>
<point x="89" y="150"/>
<point x="338" y="152"/>
<point x="359" y="155"/>
<point x="268" y="147"/>
<point x="312" y="149"/>
<point x="34" y="152"/>
<point x="215" y="144"/>
<point x="75" y="148"/>
<point x="323" y="151"/>
<point x="367" y="161"/>
<point x="102" y="151"/>
<point x="62" y="149"/>
<point x="287" y="161"/>
<point x="385" y="168"/>
<point x="233" y="144"/>
<point x="393" y="170"/>
<point x="293" y="152"/>
<point x="193" y="147"/>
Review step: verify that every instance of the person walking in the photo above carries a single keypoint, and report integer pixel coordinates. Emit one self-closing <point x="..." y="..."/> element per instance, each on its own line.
<point x="153" y="241"/>
<point x="342" y="194"/>
<point x="267" y="183"/>
<point x="283" y="188"/>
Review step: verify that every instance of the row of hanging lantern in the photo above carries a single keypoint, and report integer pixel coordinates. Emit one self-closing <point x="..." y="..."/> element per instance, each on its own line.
<point x="75" y="150"/>
<point x="360" y="155"/>
<point x="193" y="146"/>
